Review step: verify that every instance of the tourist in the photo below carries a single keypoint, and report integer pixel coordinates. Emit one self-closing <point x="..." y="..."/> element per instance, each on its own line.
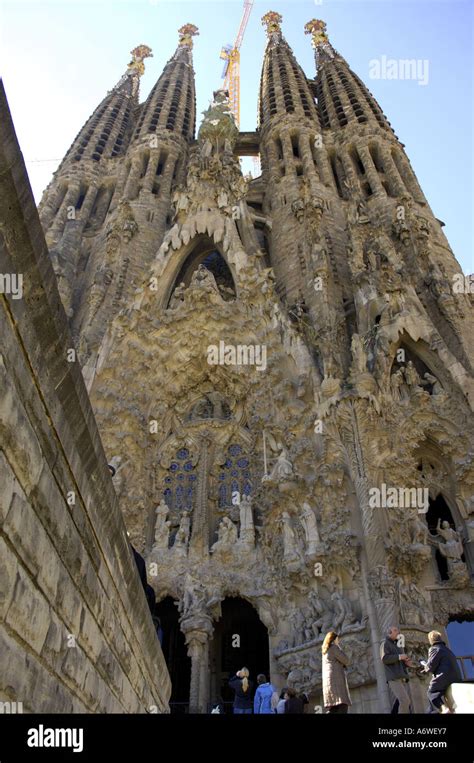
<point x="280" y="708"/>
<point x="443" y="664"/>
<point x="293" y="704"/>
<point x="396" y="663"/>
<point x="335" y="662"/>
<point x="243" y="692"/>
<point x="262" y="703"/>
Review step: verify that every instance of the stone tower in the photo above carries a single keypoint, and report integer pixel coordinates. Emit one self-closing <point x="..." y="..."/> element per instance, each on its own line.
<point x="280" y="369"/>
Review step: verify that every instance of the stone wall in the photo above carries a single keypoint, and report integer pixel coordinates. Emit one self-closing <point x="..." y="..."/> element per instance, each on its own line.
<point x="76" y="634"/>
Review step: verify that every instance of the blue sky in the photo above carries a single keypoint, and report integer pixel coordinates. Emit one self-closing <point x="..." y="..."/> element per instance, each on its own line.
<point x="60" y="58"/>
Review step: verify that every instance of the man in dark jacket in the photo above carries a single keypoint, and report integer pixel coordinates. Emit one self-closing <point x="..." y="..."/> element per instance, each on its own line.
<point x="443" y="664"/>
<point x="396" y="662"/>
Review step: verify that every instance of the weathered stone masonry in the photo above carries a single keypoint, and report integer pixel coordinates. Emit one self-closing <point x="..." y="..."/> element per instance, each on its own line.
<point x="76" y="631"/>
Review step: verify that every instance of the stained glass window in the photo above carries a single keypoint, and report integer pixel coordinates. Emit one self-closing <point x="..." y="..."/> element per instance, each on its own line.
<point x="234" y="476"/>
<point x="180" y="482"/>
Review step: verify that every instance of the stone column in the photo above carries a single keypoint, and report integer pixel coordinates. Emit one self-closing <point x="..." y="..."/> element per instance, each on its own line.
<point x="377" y="581"/>
<point x="370" y="170"/>
<point x="198" y="630"/>
<point x="131" y="186"/>
<point x="273" y="165"/>
<point x="307" y="156"/>
<point x="70" y="200"/>
<point x="150" y="174"/>
<point x="288" y="157"/>
<point x="391" y="171"/>
<point x="199" y="542"/>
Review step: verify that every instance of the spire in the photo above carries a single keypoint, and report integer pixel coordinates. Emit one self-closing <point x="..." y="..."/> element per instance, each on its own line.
<point x="342" y="97"/>
<point x="171" y="104"/>
<point x="284" y="88"/>
<point x="105" y="133"/>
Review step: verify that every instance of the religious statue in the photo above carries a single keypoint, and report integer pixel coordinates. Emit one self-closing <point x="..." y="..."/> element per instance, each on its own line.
<point x="412" y="376"/>
<point x="162" y="527"/>
<point x="310" y="525"/>
<point x="397" y="385"/>
<point x="411" y="603"/>
<point x="359" y="355"/>
<point x="203" y="279"/>
<point x="452" y="546"/>
<point x="432" y="381"/>
<point x="451" y="549"/>
<point x="282" y="468"/>
<point x="177" y="297"/>
<point x="194" y="597"/>
<point x="344" y="617"/>
<point x="323" y="615"/>
<point x="182" y="536"/>
<point x="298" y="622"/>
<point x="226" y="535"/>
<point x="290" y="541"/>
<point x="419" y="531"/>
<point x="247" y="530"/>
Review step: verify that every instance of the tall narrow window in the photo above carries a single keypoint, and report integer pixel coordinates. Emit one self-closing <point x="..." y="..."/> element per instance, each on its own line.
<point x="234" y="477"/>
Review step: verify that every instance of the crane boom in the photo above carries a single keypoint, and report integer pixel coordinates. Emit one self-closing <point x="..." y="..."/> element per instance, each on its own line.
<point x="231" y="55"/>
<point x="248" y="4"/>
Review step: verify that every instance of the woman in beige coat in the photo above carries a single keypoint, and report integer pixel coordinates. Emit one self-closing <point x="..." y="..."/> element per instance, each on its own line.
<point x="335" y="689"/>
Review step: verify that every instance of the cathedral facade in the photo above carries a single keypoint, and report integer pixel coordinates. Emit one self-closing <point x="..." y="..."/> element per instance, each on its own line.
<point x="280" y="369"/>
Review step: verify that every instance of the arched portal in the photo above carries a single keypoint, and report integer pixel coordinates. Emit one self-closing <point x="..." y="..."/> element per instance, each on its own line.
<point x="205" y="253"/>
<point x="175" y="654"/>
<point x="240" y="640"/>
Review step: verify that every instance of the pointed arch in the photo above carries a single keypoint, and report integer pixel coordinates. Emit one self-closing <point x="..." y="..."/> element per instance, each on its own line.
<point x="203" y="251"/>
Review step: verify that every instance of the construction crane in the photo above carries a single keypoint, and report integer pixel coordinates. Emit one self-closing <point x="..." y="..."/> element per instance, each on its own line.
<point x="231" y="56"/>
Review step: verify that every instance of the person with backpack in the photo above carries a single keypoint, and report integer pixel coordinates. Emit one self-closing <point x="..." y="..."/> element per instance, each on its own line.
<point x="262" y="703"/>
<point x="243" y="692"/>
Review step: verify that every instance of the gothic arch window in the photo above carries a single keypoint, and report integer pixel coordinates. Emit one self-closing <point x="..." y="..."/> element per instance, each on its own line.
<point x="206" y="254"/>
<point x="180" y="482"/>
<point x="234" y="476"/>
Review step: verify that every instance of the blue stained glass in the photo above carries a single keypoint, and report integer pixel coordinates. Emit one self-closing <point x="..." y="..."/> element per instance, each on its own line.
<point x="173" y="467"/>
<point x="188" y="467"/>
<point x="181" y="476"/>
<point x="234" y="486"/>
<point x="246" y="474"/>
<point x="189" y="498"/>
<point x="234" y="472"/>
<point x="192" y="477"/>
<point x="179" y="497"/>
<point x="243" y="462"/>
<point x="222" y="495"/>
<point x="168" y="479"/>
<point x="234" y="450"/>
<point x="168" y="497"/>
<point x="247" y="488"/>
<point x="222" y="476"/>
<point x="183" y="453"/>
<point x="228" y="463"/>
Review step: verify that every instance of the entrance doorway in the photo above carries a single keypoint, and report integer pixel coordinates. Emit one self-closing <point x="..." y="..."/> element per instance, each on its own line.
<point x="240" y="640"/>
<point x="175" y="654"/>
